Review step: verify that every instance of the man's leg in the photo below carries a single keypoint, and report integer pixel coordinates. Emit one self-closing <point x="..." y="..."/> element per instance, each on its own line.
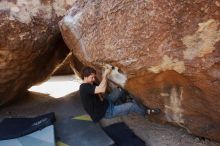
<point x="124" y="109"/>
<point x="115" y="94"/>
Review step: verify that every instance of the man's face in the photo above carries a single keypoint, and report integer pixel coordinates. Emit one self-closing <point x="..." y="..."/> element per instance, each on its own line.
<point x="90" y="79"/>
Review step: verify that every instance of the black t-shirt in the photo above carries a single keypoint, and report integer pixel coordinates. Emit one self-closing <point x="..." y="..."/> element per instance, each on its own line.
<point x="91" y="102"/>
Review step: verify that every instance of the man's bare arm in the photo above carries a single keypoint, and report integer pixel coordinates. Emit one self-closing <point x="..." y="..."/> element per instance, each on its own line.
<point x="102" y="86"/>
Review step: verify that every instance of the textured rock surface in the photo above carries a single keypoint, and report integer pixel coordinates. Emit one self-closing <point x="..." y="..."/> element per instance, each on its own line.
<point x="167" y="52"/>
<point x="30" y="43"/>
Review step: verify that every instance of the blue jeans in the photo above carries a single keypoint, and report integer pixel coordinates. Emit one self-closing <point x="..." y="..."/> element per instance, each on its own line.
<point x="122" y="109"/>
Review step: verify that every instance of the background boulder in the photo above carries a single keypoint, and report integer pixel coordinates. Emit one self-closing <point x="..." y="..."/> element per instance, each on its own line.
<point x="30" y="44"/>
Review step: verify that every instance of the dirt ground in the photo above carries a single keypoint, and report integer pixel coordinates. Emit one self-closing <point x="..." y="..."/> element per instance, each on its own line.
<point x="152" y="133"/>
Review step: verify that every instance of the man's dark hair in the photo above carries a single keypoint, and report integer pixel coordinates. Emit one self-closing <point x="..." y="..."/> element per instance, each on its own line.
<point x="87" y="71"/>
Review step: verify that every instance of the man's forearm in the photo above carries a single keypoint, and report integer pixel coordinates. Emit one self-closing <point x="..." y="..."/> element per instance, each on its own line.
<point x="102" y="86"/>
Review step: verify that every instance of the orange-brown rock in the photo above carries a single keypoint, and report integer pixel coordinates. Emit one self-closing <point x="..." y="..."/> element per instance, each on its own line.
<point x="165" y="52"/>
<point x="30" y="44"/>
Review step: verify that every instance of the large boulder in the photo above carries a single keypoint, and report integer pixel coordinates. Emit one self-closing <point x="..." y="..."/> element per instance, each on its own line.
<point x="30" y="44"/>
<point x="165" y="52"/>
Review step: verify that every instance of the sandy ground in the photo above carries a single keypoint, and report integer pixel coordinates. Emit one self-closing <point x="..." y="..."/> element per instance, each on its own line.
<point x="152" y="133"/>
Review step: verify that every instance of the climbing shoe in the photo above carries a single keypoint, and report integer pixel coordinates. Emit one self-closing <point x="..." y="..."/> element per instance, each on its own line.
<point x="153" y="111"/>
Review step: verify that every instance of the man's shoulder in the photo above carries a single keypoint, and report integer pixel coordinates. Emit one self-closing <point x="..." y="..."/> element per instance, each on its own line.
<point x="82" y="86"/>
<point x="86" y="86"/>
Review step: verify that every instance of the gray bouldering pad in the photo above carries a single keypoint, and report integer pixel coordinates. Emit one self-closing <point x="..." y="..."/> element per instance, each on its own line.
<point x="43" y="137"/>
<point x="77" y="132"/>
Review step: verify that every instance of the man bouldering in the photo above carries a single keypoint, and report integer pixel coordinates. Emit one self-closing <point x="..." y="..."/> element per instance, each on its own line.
<point x="99" y="107"/>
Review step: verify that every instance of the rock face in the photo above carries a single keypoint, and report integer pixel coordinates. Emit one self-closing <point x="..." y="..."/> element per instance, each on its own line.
<point x="30" y="44"/>
<point x="165" y="52"/>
